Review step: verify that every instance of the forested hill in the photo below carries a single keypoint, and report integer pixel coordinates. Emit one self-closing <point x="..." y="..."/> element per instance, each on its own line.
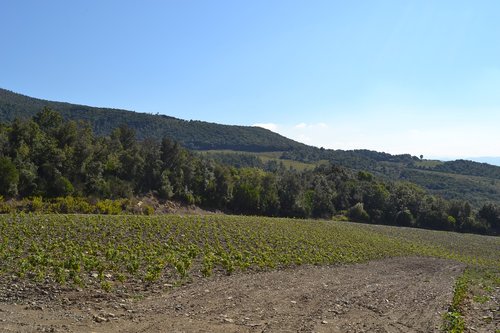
<point x="463" y="180"/>
<point x="197" y="135"/>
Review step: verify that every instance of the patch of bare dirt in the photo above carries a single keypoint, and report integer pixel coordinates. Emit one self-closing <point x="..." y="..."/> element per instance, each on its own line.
<point x="390" y="295"/>
<point x="482" y="314"/>
<point x="171" y="207"/>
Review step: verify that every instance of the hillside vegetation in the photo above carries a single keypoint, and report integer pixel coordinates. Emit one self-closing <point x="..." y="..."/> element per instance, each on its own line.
<point x="198" y="135"/>
<point x="477" y="183"/>
<point x="47" y="157"/>
<point x="474" y="182"/>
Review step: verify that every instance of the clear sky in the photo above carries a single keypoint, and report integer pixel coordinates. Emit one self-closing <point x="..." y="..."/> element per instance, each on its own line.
<point x="418" y="77"/>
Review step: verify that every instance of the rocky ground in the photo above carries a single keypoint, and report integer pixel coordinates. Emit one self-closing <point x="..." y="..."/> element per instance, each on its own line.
<point x="390" y="295"/>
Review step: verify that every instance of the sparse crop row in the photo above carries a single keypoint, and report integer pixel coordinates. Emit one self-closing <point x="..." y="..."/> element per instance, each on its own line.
<point x="110" y="251"/>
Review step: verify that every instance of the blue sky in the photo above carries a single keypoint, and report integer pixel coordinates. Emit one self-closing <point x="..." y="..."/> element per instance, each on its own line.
<point x="418" y="77"/>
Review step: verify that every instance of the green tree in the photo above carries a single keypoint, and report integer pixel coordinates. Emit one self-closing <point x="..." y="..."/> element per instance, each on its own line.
<point x="48" y="120"/>
<point x="491" y="213"/>
<point x="323" y="197"/>
<point x="290" y="188"/>
<point x="9" y="177"/>
<point x="247" y="191"/>
<point x="166" y="190"/>
<point x="270" y="201"/>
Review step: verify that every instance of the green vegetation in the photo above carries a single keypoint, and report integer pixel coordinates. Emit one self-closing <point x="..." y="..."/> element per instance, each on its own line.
<point x="69" y="205"/>
<point x="197" y="135"/>
<point x="52" y="162"/>
<point x="476" y="284"/>
<point x="461" y="180"/>
<point x="427" y="164"/>
<point x="114" y="251"/>
<point x="48" y="158"/>
<point x="454" y="321"/>
<point x="270" y="161"/>
<point x="474" y="189"/>
<point x="462" y="167"/>
<point x="476" y="183"/>
<point x="477" y="251"/>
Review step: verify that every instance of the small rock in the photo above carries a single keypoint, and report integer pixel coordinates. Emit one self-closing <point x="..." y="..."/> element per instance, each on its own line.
<point x="293" y="302"/>
<point x="324" y="322"/>
<point x="99" y="319"/>
<point x="229" y="320"/>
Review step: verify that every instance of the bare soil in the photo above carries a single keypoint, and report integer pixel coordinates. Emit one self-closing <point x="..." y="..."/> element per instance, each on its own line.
<point x="484" y="315"/>
<point x="390" y="295"/>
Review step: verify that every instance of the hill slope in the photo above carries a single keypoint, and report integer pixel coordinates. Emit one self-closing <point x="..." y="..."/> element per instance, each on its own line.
<point x="198" y="135"/>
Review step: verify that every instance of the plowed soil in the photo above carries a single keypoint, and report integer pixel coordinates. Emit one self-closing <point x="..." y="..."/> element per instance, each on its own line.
<point x="390" y="295"/>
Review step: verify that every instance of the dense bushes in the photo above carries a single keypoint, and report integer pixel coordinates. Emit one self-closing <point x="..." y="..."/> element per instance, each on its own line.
<point x="74" y="205"/>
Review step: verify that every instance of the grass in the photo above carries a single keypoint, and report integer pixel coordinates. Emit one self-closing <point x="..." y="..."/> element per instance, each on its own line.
<point x="272" y="156"/>
<point x="428" y="163"/>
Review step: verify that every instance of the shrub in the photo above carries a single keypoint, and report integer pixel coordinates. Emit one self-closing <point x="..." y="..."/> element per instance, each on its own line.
<point x="108" y="207"/>
<point x="357" y="213"/>
<point x="148" y="210"/>
<point x="71" y="205"/>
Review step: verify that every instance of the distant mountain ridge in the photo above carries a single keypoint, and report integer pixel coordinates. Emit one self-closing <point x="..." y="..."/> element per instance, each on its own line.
<point x="197" y="135"/>
<point x="460" y="179"/>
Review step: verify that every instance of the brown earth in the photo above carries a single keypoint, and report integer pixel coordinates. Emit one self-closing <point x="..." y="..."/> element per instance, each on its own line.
<point x="390" y="295"/>
<point x="483" y="315"/>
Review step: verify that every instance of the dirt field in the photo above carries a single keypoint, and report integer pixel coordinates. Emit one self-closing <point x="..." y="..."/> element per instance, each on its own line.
<point x="391" y="295"/>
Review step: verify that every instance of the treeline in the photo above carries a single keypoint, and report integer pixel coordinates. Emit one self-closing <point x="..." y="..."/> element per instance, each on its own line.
<point x="48" y="157"/>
